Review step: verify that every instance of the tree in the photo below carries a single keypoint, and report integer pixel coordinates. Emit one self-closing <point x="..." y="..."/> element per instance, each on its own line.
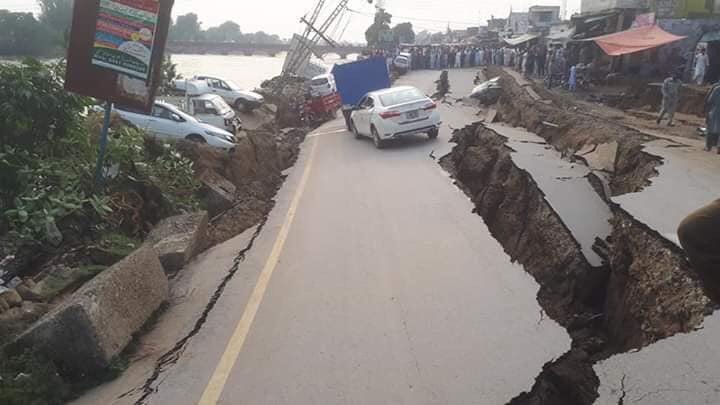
<point x="404" y="33"/>
<point x="437" y="38"/>
<point x="22" y="35"/>
<point x="228" y="31"/>
<point x="187" y="28"/>
<point x="379" y="27"/>
<point x="262" y="38"/>
<point x="56" y="15"/>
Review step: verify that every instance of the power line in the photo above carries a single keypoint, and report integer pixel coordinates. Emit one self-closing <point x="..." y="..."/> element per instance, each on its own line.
<point x="418" y="19"/>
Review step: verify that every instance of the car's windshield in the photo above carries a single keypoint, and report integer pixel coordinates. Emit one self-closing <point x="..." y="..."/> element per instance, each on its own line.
<point x="401" y="97"/>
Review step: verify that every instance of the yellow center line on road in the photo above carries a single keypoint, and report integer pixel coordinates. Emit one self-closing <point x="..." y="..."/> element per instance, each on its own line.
<point x="215" y="387"/>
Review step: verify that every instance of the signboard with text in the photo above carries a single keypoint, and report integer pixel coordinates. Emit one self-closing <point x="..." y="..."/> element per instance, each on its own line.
<point x="124" y="36"/>
<point x="116" y="50"/>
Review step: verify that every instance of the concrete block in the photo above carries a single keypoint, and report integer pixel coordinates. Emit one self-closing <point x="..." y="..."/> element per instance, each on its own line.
<point x="218" y="191"/>
<point x="176" y="240"/>
<point x="95" y="324"/>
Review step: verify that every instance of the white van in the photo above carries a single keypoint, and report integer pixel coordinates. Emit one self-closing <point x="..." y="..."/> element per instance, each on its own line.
<point x="323" y="85"/>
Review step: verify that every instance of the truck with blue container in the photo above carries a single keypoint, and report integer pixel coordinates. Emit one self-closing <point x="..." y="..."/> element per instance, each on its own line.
<point x="355" y="79"/>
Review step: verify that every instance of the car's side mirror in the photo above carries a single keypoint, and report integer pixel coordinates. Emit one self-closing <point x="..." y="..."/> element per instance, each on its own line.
<point x="177" y="118"/>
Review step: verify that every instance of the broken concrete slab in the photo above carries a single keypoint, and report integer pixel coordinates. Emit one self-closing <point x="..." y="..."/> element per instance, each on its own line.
<point x="600" y="157"/>
<point x="218" y="191"/>
<point x="491" y="115"/>
<point x="682" y="369"/>
<point x="95" y="324"/>
<point x="176" y="240"/>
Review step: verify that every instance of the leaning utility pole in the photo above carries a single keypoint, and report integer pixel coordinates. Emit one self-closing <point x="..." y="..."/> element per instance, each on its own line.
<point x="303" y="47"/>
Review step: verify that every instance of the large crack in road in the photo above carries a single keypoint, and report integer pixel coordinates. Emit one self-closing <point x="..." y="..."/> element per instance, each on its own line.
<point x="171" y="357"/>
<point x="643" y="292"/>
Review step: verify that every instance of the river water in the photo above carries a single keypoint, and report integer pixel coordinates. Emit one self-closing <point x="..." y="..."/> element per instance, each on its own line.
<point x="247" y="71"/>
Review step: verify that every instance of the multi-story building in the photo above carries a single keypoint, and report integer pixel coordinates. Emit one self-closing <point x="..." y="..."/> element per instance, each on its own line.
<point x="544" y="16"/>
<point x="518" y="23"/>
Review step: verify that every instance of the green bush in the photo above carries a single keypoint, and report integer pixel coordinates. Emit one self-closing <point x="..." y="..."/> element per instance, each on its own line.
<point x="48" y="156"/>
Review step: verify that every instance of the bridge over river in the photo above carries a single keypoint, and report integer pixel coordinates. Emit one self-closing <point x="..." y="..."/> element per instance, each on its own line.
<point x="236" y="48"/>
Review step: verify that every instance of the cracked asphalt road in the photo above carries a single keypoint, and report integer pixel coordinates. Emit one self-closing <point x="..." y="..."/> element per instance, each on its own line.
<point x="385" y="289"/>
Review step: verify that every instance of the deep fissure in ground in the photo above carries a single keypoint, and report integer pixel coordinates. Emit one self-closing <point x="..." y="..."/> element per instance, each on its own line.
<point x="645" y="292"/>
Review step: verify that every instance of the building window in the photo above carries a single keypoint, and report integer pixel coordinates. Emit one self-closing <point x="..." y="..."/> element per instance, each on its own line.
<point x="546" y="16"/>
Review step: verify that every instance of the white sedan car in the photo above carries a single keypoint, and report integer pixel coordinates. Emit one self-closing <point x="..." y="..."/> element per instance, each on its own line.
<point x="167" y="122"/>
<point x="394" y="113"/>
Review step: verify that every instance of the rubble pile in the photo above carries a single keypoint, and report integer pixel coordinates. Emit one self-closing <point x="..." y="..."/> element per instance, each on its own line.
<point x="288" y="93"/>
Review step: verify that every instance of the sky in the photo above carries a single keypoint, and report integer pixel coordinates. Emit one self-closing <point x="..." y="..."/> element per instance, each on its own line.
<point x="282" y="17"/>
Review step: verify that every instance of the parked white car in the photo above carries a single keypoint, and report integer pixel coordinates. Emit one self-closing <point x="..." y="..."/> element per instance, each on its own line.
<point x="169" y="123"/>
<point x="232" y="93"/>
<point x="394" y="113"/>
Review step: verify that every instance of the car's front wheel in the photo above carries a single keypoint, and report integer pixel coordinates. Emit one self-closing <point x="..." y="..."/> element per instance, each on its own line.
<point x="242" y="105"/>
<point x="196" y="138"/>
<point x="433" y="134"/>
<point x="379" y="143"/>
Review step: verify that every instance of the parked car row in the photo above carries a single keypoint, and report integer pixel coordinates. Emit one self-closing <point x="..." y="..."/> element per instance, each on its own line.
<point x="242" y="100"/>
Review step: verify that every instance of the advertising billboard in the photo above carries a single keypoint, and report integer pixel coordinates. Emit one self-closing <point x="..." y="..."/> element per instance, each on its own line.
<point x="116" y="50"/>
<point x="124" y="36"/>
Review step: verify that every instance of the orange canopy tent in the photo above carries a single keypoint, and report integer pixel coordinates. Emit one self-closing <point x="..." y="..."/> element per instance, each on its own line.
<point x="635" y="40"/>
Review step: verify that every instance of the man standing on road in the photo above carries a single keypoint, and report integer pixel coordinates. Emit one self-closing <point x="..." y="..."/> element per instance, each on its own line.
<point x="701" y="64"/>
<point x="671" y="98"/>
<point x="712" y="109"/>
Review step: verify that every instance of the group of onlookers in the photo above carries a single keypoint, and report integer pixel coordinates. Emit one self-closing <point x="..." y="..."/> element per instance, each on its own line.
<point x="534" y="61"/>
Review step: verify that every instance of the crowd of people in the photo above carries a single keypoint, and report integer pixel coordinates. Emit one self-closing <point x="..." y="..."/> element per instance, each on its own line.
<point x="549" y="62"/>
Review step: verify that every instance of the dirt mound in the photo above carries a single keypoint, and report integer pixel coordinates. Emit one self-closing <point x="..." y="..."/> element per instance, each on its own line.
<point x="255" y="168"/>
<point x="288" y="94"/>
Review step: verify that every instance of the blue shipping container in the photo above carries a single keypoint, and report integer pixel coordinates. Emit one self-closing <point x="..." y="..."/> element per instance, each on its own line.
<point x="356" y="79"/>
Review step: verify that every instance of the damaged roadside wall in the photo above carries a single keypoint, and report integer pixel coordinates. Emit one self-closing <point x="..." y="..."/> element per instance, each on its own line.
<point x="254" y="168"/>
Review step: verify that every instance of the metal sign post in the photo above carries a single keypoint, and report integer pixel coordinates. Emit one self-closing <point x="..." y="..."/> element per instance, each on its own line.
<point x="103" y="147"/>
